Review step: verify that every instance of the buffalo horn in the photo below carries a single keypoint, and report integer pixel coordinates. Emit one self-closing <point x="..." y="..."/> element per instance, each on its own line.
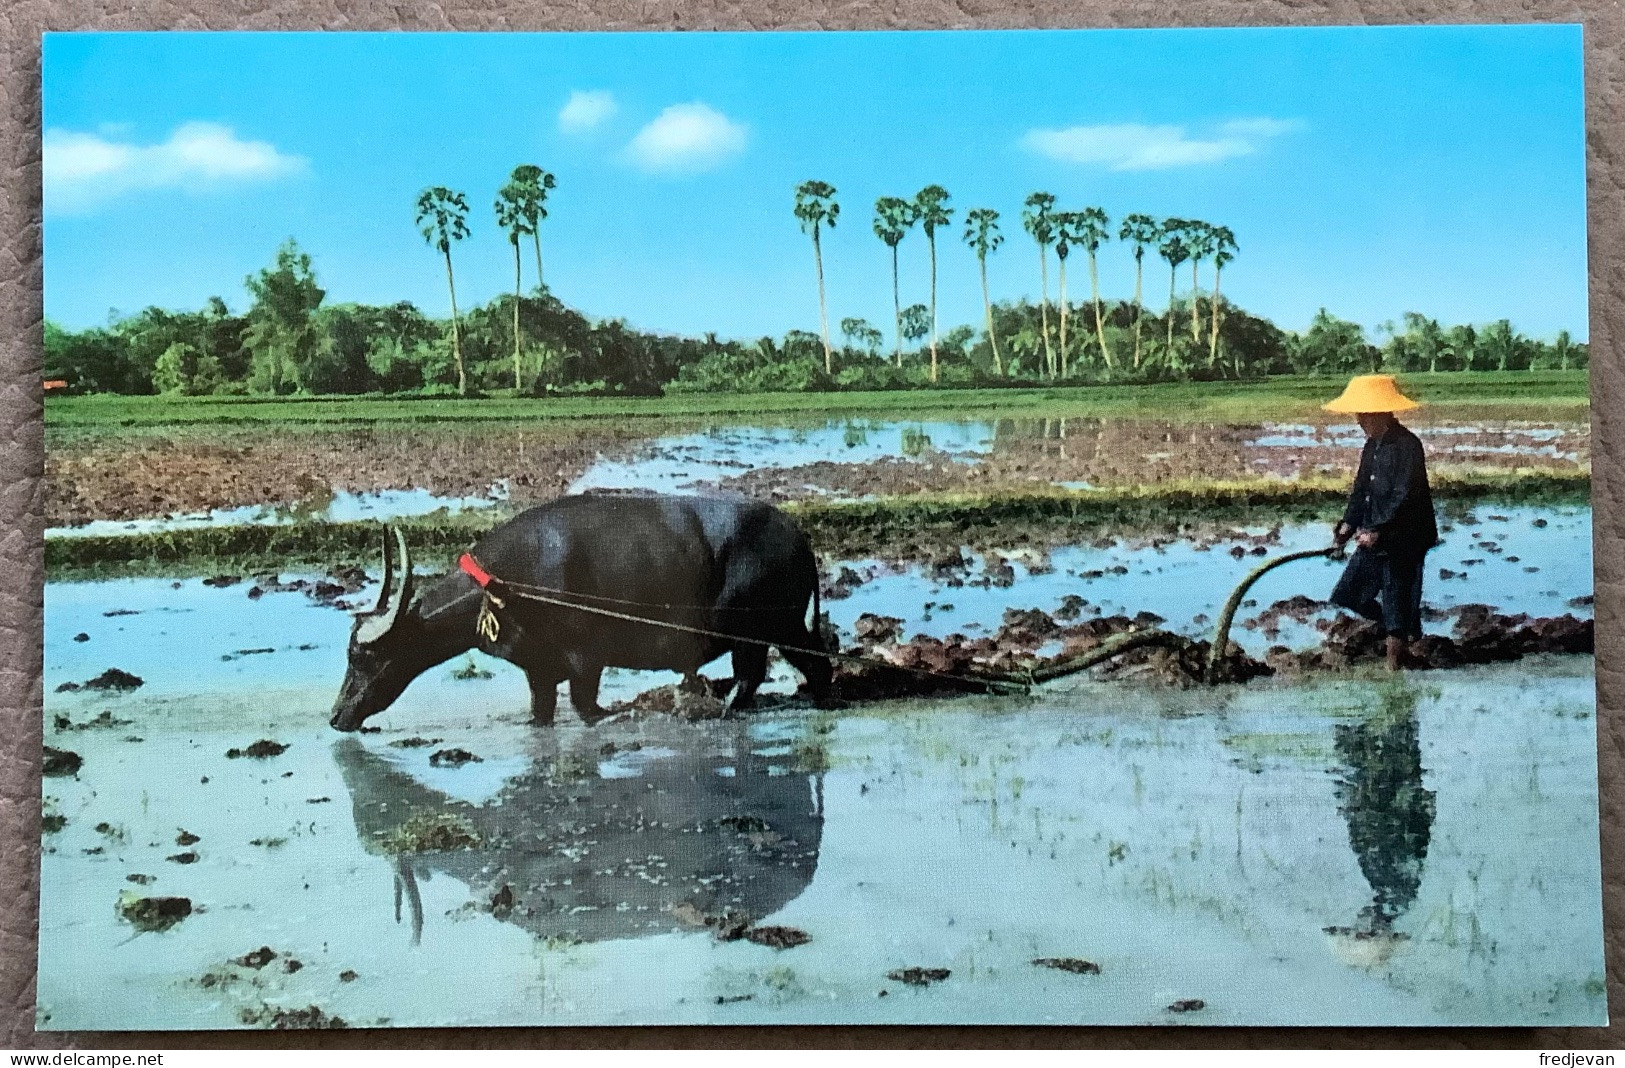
<point x="389" y="575"/>
<point x="403" y="595"/>
<point x="381" y="620"/>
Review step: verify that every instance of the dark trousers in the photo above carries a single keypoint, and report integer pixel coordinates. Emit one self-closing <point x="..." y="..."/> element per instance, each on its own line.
<point x="1384" y="588"/>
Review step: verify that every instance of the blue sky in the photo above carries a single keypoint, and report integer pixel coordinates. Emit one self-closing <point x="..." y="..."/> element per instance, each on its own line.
<point x="1370" y="170"/>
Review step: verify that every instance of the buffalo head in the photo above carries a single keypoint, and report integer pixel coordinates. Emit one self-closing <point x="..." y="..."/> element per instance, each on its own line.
<point x="382" y="644"/>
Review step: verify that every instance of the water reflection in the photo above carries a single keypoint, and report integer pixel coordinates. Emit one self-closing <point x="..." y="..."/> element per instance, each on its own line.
<point x="596" y="840"/>
<point x="1389" y="812"/>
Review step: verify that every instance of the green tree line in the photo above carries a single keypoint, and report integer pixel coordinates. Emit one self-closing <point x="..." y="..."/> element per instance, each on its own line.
<point x="290" y="340"/>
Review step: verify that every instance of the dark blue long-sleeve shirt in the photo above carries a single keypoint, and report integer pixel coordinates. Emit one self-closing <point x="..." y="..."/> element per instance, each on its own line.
<point x="1391" y="494"/>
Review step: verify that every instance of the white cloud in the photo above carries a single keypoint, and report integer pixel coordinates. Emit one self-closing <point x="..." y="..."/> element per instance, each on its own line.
<point x="586" y="109"/>
<point x="1137" y="147"/>
<point x="82" y="169"/>
<point x="687" y="139"/>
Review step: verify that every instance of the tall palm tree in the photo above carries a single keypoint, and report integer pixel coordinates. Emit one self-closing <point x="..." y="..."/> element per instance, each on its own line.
<point x="1199" y="239"/>
<point x="442" y="218"/>
<point x="894" y="216"/>
<point x="1090" y="231"/>
<point x="535" y="184"/>
<point x="513" y="216"/>
<point x="1142" y="230"/>
<point x="982" y="235"/>
<point x="931" y="204"/>
<point x="1173" y="249"/>
<point x="1224" y="250"/>
<point x="816" y="207"/>
<point x="1038" y="219"/>
<point x="1064" y="223"/>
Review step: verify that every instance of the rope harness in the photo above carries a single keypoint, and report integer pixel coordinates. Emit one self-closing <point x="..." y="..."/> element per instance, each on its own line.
<point x="489" y="627"/>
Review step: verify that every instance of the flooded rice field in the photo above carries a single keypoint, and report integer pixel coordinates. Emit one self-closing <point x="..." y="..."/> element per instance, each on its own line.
<point x="329" y="506"/>
<point x="1331" y="854"/>
<point x="1361" y="848"/>
<point x="99" y="486"/>
<point x="1327" y="844"/>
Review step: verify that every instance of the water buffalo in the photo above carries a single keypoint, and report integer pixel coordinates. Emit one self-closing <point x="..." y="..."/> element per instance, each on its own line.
<point x="727" y="565"/>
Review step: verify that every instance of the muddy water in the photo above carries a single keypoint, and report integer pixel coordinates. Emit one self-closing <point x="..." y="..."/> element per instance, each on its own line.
<point x="104" y="485"/>
<point x="1495" y="555"/>
<point x="1360" y="853"/>
<point x="183" y="636"/>
<point x="1340" y="853"/>
<point x="714" y="455"/>
<point x="332" y="506"/>
<point x="861" y="458"/>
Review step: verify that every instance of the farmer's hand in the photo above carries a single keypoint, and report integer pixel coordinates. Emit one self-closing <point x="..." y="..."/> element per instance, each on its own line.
<point x="1366" y="539"/>
<point x="1341" y="534"/>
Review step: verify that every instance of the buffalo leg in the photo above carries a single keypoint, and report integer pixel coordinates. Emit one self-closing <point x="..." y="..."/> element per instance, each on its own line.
<point x="816" y="669"/>
<point x="584" y="695"/>
<point x="544" y="697"/>
<point x="750" y="668"/>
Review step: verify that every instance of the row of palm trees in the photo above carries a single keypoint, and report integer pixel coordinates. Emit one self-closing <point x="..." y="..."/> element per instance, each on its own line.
<point x="520" y="206"/>
<point x="1177" y="241"/>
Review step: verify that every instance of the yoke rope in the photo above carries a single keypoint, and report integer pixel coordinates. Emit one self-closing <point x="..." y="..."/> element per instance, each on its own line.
<point x="488" y="626"/>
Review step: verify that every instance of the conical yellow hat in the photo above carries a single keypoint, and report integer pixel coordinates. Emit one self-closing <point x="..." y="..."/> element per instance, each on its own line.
<point x="1371" y="393"/>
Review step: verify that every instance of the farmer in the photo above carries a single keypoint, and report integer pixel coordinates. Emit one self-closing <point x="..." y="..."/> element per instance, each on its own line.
<point x="1389" y="516"/>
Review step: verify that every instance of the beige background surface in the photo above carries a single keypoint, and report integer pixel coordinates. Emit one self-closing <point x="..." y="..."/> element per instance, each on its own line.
<point x="21" y="23"/>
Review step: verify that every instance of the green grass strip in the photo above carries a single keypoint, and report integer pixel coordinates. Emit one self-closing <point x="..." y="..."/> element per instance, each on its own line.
<point x="896" y="526"/>
<point x="1284" y="397"/>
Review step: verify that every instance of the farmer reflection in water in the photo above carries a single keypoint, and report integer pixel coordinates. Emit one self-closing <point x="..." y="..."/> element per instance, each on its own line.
<point x="1389" y="812"/>
<point x="1389" y="516"/>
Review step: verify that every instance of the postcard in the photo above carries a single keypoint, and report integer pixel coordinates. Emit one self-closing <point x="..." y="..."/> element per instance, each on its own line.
<point x="1053" y="527"/>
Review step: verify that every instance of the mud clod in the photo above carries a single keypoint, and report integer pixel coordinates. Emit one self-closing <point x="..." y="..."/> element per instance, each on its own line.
<point x="415" y="742"/>
<point x="187" y="857"/>
<point x="432" y="832"/>
<point x="1188" y="1005"/>
<point x="61" y="762"/>
<point x="775" y="937"/>
<point x="875" y="630"/>
<point x="256" y="959"/>
<point x="919" y="976"/>
<point x="102" y="721"/>
<point x="260" y="750"/>
<point x="1075" y="965"/>
<point x="113" y="680"/>
<point x="150" y="914"/>
<point x="309" y="1018"/>
<point x="186" y="838"/>
<point x="348" y="975"/>
<point x="453" y="758"/>
<point x="726" y="926"/>
<point x="240" y="653"/>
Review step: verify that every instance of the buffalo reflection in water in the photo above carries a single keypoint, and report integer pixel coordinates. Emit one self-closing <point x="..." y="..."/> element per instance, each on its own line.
<point x="1389" y="813"/>
<point x="594" y="842"/>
